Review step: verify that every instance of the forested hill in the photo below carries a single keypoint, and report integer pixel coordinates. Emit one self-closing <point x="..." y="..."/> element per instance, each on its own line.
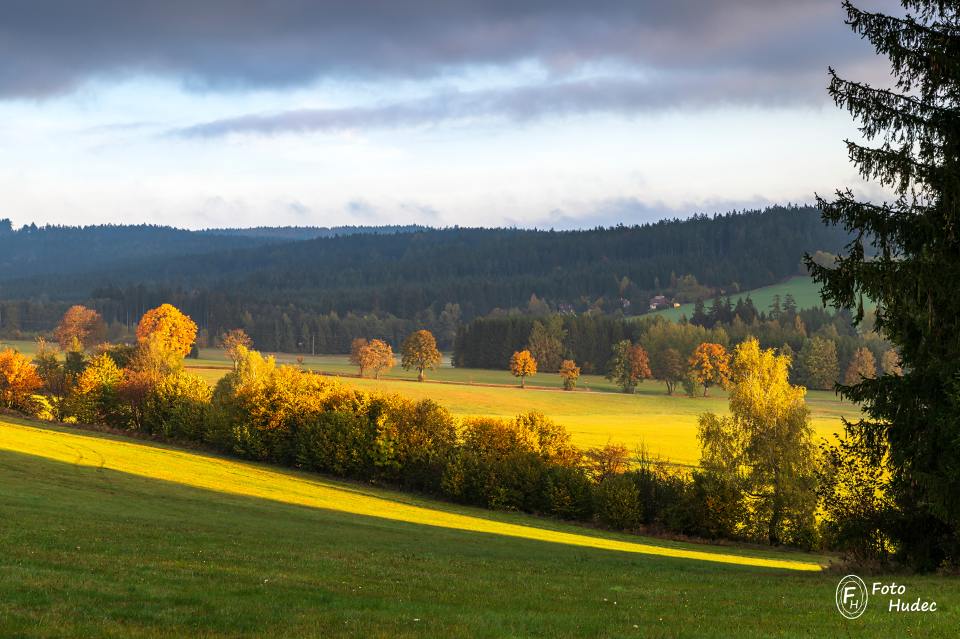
<point x="409" y="272"/>
<point x="49" y="250"/>
<point x="311" y="232"/>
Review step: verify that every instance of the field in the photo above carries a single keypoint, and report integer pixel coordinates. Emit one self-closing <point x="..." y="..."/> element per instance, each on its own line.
<point x="801" y="287"/>
<point x="105" y="536"/>
<point x="594" y="414"/>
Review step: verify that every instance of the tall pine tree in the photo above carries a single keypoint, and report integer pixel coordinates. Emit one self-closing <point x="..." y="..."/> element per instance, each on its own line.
<point x="912" y="267"/>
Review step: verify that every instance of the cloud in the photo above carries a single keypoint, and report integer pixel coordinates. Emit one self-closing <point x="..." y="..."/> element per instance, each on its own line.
<point x="49" y="47"/>
<point x="623" y="96"/>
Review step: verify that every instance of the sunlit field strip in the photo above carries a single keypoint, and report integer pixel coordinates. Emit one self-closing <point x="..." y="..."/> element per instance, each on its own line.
<point x="238" y="478"/>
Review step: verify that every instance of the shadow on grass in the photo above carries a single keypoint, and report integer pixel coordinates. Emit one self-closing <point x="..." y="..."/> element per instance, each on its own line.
<point x="70" y="451"/>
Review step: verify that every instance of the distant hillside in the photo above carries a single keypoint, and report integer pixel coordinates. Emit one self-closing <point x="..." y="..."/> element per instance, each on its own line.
<point x="294" y="233"/>
<point x="291" y="293"/>
<point x="802" y="288"/>
<point x="45" y="250"/>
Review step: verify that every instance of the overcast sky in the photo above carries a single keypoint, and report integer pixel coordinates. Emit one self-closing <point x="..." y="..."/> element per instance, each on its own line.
<point x="303" y="112"/>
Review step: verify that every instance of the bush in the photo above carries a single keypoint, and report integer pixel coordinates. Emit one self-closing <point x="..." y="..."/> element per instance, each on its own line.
<point x="505" y="464"/>
<point x="691" y="386"/>
<point x="568" y="492"/>
<point x="617" y="502"/>
<point x="178" y="407"/>
<point x="335" y="442"/>
<point x="425" y="441"/>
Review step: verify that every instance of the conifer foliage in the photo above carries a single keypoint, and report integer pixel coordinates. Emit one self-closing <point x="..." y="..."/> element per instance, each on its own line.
<point x="905" y="255"/>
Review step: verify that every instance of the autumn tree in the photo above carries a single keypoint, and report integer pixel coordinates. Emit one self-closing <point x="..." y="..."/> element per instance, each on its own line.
<point x="19" y="380"/>
<point x="419" y="352"/>
<point x="628" y="366"/>
<point x="59" y="377"/>
<point x="80" y="328"/>
<point x="357" y="347"/>
<point x="710" y="365"/>
<point x="890" y="362"/>
<point x="668" y="366"/>
<point x="767" y="443"/>
<point x="231" y="340"/>
<point x="377" y="356"/>
<point x="817" y="364"/>
<point x="171" y="329"/>
<point x="523" y="365"/>
<point x="862" y="366"/>
<point x="546" y="342"/>
<point x="96" y="400"/>
<point x="569" y="373"/>
<point x="607" y="461"/>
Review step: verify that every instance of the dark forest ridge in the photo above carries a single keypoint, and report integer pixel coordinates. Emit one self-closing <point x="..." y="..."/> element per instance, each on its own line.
<point x="275" y="287"/>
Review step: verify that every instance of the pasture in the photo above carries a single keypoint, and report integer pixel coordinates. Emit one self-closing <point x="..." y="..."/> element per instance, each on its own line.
<point x="112" y="537"/>
<point x="594" y="414"/>
<point x="802" y="287"/>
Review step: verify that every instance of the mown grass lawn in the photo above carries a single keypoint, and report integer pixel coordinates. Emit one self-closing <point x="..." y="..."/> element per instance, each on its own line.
<point x="104" y="536"/>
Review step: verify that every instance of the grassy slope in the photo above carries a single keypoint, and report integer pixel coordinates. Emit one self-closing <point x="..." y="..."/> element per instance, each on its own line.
<point x="103" y="536"/>
<point x="801" y="287"/>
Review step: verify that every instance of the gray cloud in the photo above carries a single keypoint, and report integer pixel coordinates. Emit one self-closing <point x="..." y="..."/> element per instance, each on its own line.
<point x="52" y="46"/>
<point x="624" y="96"/>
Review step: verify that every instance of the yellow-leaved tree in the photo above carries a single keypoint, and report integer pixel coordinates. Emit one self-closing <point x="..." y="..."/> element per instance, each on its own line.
<point x="419" y="352"/>
<point x="172" y="330"/>
<point x="232" y="340"/>
<point x="764" y="450"/>
<point x="523" y="365"/>
<point x="569" y="373"/>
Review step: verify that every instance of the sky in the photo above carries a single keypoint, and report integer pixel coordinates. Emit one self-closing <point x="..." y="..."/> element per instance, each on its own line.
<point x="550" y="114"/>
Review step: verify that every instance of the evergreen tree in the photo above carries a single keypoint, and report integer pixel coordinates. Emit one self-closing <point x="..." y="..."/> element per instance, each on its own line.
<point x="699" y="316"/>
<point x="912" y="418"/>
<point x="818" y="366"/>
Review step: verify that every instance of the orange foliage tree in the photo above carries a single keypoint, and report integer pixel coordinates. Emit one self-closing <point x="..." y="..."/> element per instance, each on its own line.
<point x="710" y="364"/>
<point x="523" y="365"/>
<point x="18" y="379"/>
<point x="356" y="353"/>
<point x="80" y="328"/>
<point x="420" y="352"/>
<point x="629" y="365"/>
<point x="377" y="356"/>
<point x="171" y="329"/>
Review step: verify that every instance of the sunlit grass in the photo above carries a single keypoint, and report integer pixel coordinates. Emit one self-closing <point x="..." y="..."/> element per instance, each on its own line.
<point x="234" y="477"/>
<point x="93" y="543"/>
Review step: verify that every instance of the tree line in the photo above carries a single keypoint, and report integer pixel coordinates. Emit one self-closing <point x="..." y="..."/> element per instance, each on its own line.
<point x="824" y="347"/>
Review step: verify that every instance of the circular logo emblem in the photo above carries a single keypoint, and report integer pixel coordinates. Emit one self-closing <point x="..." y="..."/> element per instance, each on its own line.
<point x="851" y="596"/>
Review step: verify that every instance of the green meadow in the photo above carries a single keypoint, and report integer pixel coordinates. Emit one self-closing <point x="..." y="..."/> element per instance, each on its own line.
<point x="112" y="537"/>
<point x="803" y="289"/>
